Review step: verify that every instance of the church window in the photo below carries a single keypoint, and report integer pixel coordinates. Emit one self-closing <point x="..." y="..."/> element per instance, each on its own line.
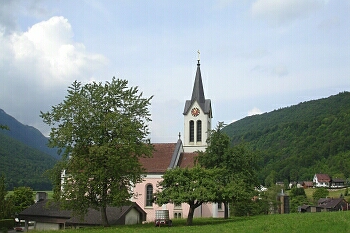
<point x="149" y="195"/>
<point x="191" y="131"/>
<point x="199" y="131"/>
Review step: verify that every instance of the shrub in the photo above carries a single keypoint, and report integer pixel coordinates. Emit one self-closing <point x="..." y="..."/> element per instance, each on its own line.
<point x="7" y="223"/>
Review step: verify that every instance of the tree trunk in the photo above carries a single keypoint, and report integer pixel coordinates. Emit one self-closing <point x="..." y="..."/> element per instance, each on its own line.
<point x="225" y="209"/>
<point x="190" y="215"/>
<point x="104" y="216"/>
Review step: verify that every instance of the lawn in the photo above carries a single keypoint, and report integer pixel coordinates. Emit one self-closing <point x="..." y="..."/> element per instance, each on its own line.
<point x="307" y="222"/>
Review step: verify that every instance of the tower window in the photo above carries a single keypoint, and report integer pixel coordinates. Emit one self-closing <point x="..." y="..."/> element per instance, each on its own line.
<point x="149" y="195"/>
<point x="191" y="131"/>
<point x="199" y="131"/>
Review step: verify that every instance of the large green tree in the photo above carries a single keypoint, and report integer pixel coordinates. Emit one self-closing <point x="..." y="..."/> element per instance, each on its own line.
<point x="193" y="186"/>
<point x="238" y="163"/>
<point x="102" y="131"/>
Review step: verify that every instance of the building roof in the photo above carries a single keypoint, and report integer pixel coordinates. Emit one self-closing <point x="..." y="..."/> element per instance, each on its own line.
<point x="187" y="160"/>
<point x="160" y="161"/>
<point x="323" y="178"/>
<point x="329" y="202"/>
<point x="167" y="156"/>
<point x="198" y="95"/>
<point x="308" y="183"/>
<point x="50" y="211"/>
<point x="45" y="208"/>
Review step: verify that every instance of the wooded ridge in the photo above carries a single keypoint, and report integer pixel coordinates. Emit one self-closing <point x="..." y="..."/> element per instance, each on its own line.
<point x="24" y="155"/>
<point x="296" y="142"/>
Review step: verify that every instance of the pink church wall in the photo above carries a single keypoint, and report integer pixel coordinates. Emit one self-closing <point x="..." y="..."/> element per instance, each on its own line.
<point x="206" y="210"/>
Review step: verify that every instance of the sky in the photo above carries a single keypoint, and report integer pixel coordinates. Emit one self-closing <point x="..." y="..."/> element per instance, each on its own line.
<point x="256" y="55"/>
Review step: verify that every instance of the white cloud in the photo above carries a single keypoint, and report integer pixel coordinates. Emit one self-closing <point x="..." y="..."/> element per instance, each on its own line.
<point x="254" y="111"/>
<point x="48" y="50"/>
<point x="278" y="12"/>
<point x="39" y="64"/>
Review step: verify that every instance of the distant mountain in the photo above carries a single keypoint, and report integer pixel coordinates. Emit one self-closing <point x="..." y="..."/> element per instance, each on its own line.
<point x="296" y="142"/>
<point x="24" y="155"/>
<point x="28" y="135"/>
<point x="24" y="166"/>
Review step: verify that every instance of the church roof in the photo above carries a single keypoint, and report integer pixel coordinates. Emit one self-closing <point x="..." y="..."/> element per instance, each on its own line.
<point x="161" y="158"/>
<point x="187" y="160"/>
<point x="167" y="156"/>
<point x="198" y="95"/>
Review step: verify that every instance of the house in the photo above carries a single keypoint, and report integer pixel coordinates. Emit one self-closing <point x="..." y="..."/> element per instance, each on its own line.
<point x="321" y="180"/>
<point x="307" y="184"/>
<point x="333" y="204"/>
<point x="47" y="215"/>
<point x="197" y="122"/>
<point x="337" y="183"/>
<point x="309" y="209"/>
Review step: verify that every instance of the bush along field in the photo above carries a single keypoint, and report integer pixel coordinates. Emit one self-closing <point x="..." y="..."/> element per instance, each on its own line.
<point x="306" y="222"/>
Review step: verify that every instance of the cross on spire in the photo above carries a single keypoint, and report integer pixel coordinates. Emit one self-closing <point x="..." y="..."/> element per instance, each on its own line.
<point x="198" y="55"/>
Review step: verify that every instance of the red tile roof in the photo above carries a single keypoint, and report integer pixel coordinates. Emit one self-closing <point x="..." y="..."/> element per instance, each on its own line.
<point x="187" y="159"/>
<point x="161" y="158"/>
<point x="323" y="178"/>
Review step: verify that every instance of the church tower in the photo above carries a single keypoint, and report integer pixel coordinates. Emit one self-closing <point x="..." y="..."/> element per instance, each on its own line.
<point x="197" y="117"/>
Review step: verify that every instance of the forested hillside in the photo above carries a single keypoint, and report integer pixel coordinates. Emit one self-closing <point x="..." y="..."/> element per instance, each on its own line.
<point x="28" y="135"/>
<point x="24" y="155"/>
<point x="24" y="166"/>
<point x="296" y="142"/>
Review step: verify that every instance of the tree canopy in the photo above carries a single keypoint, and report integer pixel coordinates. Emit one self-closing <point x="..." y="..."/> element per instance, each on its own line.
<point x="239" y="166"/>
<point x="193" y="186"/>
<point x="101" y="131"/>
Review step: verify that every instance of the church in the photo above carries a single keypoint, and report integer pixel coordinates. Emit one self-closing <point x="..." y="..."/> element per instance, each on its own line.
<point x="197" y="122"/>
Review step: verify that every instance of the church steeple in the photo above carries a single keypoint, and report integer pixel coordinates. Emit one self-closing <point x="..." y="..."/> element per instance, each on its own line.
<point x="197" y="117"/>
<point x="198" y="94"/>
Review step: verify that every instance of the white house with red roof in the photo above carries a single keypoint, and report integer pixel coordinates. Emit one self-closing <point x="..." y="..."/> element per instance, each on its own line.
<point x="197" y="122"/>
<point x="321" y="180"/>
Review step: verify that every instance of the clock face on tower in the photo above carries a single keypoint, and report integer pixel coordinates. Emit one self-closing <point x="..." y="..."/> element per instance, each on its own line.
<point x="195" y="112"/>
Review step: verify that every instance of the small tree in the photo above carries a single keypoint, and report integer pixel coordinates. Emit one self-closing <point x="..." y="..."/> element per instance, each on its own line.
<point x="193" y="186"/>
<point x="21" y="198"/>
<point x="102" y="131"/>
<point x="297" y="198"/>
<point x="4" y="127"/>
<point x="319" y="193"/>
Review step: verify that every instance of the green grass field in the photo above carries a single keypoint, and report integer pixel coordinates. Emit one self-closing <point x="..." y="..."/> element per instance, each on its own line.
<point x="307" y="222"/>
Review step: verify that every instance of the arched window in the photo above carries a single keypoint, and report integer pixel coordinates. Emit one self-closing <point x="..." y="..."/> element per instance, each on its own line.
<point x="199" y="131"/>
<point x="149" y="195"/>
<point x="191" y="131"/>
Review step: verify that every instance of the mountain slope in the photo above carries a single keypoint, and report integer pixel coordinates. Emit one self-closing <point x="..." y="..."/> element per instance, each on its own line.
<point x="296" y="142"/>
<point x="23" y="165"/>
<point x="25" y="134"/>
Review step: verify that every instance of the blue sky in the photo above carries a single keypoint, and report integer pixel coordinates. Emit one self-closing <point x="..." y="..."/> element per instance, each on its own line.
<point x="256" y="55"/>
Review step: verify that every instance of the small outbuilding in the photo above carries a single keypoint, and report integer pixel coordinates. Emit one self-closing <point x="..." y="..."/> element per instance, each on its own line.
<point x="47" y="215"/>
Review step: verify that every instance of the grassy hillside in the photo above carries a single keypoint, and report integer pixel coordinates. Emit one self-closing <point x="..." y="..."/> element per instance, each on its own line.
<point x="308" y="222"/>
<point x="296" y="142"/>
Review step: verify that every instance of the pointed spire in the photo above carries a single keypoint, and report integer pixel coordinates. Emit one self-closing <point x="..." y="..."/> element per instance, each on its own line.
<point x="198" y="92"/>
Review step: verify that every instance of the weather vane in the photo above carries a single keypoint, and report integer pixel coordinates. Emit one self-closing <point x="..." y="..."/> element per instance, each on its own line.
<point x="198" y="55"/>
